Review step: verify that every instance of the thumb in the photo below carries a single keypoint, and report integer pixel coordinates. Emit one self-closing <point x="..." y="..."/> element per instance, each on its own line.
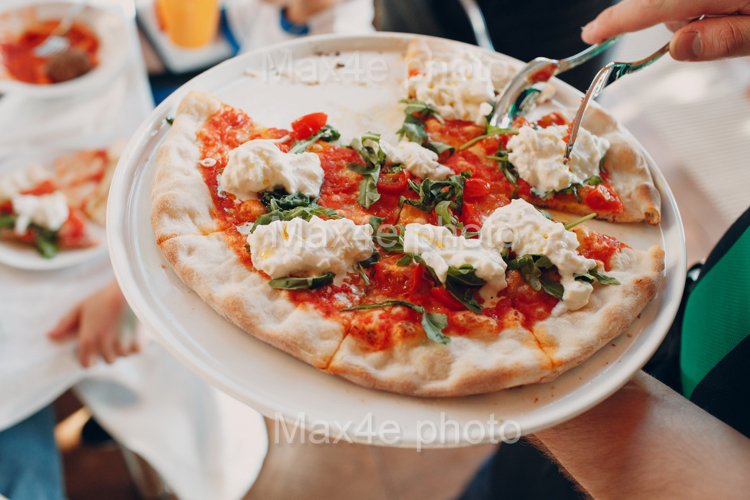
<point x="712" y="38"/>
<point x="67" y="327"/>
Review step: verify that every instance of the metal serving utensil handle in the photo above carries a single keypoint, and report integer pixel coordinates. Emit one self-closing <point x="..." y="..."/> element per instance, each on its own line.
<point x="520" y="93"/>
<point x="608" y="74"/>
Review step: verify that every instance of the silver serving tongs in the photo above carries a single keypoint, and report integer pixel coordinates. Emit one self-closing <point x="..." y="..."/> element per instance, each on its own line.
<point x="608" y="74"/>
<point x="521" y="93"/>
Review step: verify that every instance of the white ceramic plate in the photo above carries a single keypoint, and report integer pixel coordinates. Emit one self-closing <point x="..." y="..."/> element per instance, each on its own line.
<point x="109" y="28"/>
<point x="361" y="95"/>
<point x="25" y="256"/>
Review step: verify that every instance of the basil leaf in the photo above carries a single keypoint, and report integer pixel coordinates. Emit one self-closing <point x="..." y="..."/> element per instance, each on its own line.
<point x="46" y="242"/>
<point x="169" y="120"/>
<point x="293" y="283"/>
<point x="279" y="199"/>
<point x="433" y="323"/>
<point x="7" y="221"/>
<point x="438" y="147"/>
<point x="306" y="213"/>
<point x="327" y="133"/>
<point x="461" y="282"/>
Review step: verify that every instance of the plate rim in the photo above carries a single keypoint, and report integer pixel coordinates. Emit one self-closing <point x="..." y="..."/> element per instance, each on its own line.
<point x="138" y="148"/>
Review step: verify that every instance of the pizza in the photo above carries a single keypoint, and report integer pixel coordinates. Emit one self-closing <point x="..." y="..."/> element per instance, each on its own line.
<point x="606" y="175"/>
<point x="52" y="209"/>
<point x="416" y="265"/>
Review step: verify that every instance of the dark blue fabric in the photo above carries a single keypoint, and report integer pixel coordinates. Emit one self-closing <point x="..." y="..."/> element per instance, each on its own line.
<point x="30" y="464"/>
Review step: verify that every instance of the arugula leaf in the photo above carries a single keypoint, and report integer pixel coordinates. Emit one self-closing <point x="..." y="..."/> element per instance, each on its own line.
<point x="7" y="221"/>
<point x="413" y="127"/>
<point x="570" y="225"/>
<point x="421" y="108"/>
<point x="327" y="133"/>
<point x="371" y="260"/>
<point x="594" y="180"/>
<point x="507" y="168"/>
<point x="572" y="189"/>
<point x="413" y="130"/>
<point x="368" y="147"/>
<point x="292" y="283"/>
<point x="392" y="241"/>
<point x="438" y="147"/>
<point x="489" y="133"/>
<point x="433" y="323"/>
<point x="306" y="213"/>
<point x="445" y="217"/>
<point x="408" y="258"/>
<point x="461" y="282"/>
<point x="603" y="278"/>
<point x="553" y="288"/>
<point x="531" y="267"/>
<point x="595" y="276"/>
<point x="279" y="199"/>
<point x="375" y="223"/>
<point x="46" y="242"/>
<point x="432" y="192"/>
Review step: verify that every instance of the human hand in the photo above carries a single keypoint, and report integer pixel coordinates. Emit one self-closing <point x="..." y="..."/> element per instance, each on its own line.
<point x="724" y="33"/>
<point x="96" y="323"/>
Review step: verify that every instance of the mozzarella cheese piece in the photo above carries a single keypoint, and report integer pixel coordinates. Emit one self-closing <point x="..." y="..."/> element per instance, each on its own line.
<point x="259" y="165"/>
<point x="299" y="247"/>
<point x="537" y="154"/>
<point x="21" y="180"/>
<point x="418" y="160"/>
<point x="49" y="211"/>
<point x="527" y="231"/>
<point x="457" y="88"/>
<point x="439" y="249"/>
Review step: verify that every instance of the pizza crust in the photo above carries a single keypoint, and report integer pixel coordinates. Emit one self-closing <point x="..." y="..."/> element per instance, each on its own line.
<point x="490" y="361"/>
<point x="180" y="200"/>
<point x="196" y="248"/>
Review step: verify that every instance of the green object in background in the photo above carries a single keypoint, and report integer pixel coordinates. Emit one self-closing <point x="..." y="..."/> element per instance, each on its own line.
<point x="717" y="315"/>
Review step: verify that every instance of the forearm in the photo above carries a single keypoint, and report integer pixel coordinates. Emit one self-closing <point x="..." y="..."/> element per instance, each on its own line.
<point x="647" y="440"/>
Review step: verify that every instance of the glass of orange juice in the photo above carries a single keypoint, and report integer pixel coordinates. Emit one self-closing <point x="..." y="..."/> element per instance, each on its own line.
<point x="190" y="24"/>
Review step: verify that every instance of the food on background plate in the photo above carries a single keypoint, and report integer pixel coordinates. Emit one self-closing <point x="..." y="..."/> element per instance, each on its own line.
<point x="418" y="267"/>
<point x="51" y="210"/>
<point x="22" y="64"/>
